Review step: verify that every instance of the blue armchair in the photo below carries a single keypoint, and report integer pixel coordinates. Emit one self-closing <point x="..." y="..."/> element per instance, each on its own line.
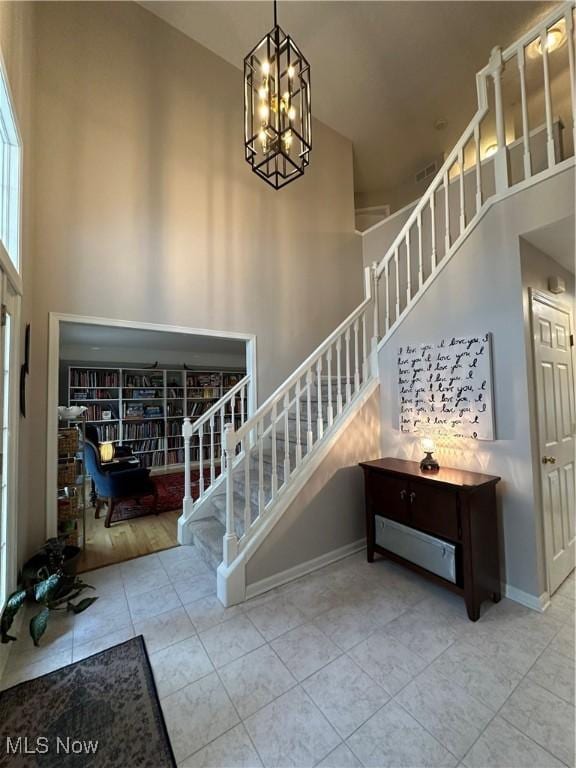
<point x="111" y="487"/>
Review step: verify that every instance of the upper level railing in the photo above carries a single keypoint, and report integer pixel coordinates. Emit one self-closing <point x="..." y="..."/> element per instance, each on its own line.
<point x="487" y="159"/>
<point x="203" y="441"/>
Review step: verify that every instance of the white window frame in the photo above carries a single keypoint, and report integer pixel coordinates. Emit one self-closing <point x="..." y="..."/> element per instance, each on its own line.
<point x="11" y="296"/>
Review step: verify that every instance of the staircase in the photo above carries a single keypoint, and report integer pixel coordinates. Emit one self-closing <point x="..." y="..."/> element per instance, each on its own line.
<point x="208" y="533"/>
<point x="268" y="455"/>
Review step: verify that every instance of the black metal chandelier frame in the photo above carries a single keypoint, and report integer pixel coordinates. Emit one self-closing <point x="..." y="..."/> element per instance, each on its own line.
<point x="277" y="108"/>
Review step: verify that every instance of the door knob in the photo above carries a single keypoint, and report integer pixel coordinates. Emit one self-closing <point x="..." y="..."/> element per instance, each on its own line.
<point x="412" y="497"/>
<point x="402" y="494"/>
<point x="548" y="460"/>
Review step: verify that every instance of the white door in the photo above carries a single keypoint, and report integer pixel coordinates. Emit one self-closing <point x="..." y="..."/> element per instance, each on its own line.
<point x="551" y="325"/>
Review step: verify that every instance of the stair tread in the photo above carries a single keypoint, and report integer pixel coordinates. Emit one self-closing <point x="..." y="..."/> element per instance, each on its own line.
<point x="207" y="536"/>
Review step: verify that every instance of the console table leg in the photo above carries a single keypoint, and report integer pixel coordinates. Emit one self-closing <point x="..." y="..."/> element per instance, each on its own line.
<point x="472" y="609"/>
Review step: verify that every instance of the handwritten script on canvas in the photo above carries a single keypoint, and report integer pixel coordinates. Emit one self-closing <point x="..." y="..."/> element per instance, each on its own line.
<point x="446" y="388"/>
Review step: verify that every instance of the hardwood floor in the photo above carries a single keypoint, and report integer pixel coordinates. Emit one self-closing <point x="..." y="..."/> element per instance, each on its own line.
<point x="127" y="539"/>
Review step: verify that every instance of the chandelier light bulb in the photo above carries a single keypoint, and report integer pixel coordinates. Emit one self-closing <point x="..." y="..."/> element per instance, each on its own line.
<point x="265" y="67"/>
<point x="291" y="113"/>
<point x="263" y="92"/>
<point x="263" y="111"/>
<point x="290" y="71"/>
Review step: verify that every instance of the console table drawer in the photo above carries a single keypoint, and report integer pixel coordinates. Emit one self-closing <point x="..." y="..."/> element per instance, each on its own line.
<point x="434" y="510"/>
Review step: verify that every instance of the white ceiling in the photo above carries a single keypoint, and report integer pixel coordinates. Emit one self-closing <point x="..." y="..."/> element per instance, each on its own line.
<point x="107" y="338"/>
<point x="382" y="72"/>
<point x="558" y="240"/>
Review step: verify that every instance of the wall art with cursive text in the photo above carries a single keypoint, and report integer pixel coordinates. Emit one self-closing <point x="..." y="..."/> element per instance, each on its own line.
<point x="445" y="388"/>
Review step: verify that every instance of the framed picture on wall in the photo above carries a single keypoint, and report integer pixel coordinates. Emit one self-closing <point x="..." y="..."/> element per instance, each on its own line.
<point x="445" y="387"/>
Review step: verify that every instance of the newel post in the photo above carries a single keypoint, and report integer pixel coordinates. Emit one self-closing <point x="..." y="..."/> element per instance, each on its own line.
<point x="184" y="535"/>
<point x="187" y="503"/>
<point x="501" y="159"/>
<point x="230" y="538"/>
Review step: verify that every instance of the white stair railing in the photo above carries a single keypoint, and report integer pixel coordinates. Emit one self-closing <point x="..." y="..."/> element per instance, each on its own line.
<point x="204" y="450"/>
<point x="458" y="196"/>
<point x="268" y="451"/>
<point x="273" y="446"/>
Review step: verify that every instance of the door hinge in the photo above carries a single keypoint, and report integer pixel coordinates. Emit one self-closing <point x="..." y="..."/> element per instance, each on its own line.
<point x="3" y="314"/>
<point x="571" y="339"/>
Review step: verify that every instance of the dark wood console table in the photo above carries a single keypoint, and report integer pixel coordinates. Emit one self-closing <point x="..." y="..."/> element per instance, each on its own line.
<point x="453" y="505"/>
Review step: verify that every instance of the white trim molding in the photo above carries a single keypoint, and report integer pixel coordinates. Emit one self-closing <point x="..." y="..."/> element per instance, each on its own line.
<point x="54" y="321"/>
<point x="231" y="579"/>
<point x="303" y="569"/>
<point x="539" y="604"/>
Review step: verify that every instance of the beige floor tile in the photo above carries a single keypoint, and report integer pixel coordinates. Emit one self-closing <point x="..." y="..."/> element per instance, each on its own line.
<point x="305" y="650"/>
<point x="165" y="629"/>
<point x="198" y="714"/>
<point x="178" y="665"/>
<point x="230" y="640"/>
<point x="255" y="680"/>
<point x="393" y="739"/>
<point x="345" y="695"/>
<point x="503" y="746"/>
<point x="231" y="750"/>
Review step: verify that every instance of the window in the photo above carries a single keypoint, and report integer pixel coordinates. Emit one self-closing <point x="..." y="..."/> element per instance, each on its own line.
<point x="10" y="174"/>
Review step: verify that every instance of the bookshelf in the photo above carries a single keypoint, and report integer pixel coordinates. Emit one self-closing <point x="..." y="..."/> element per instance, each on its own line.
<point x="144" y="408"/>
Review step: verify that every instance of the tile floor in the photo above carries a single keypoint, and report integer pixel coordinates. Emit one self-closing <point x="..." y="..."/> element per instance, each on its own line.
<point x="354" y="665"/>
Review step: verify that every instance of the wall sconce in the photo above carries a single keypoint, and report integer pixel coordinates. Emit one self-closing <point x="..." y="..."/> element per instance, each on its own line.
<point x="429" y="463"/>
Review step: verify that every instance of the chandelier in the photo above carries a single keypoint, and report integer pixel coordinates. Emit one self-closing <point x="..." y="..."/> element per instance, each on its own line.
<point x="277" y="117"/>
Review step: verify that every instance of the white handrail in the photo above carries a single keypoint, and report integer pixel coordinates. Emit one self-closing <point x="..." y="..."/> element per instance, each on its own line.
<point x="393" y="272"/>
<point x="320" y="350"/>
<point x="190" y="429"/>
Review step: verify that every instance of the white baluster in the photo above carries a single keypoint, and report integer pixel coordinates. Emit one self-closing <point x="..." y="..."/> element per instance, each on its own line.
<point x="387" y="280"/>
<point x="420" y="266"/>
<point x="247" y="491"/>
<point x="309" y="435"/>
<point x="230" y="548"/>
<point x="569" y="19"/>
<point x="446" y="213"/>
<point x="286" y="439"/>
<point x="274" y="454"/>
<point x="348" y="381"/>
<point x="408" y="269"/>
<point x="330" y="411"/>
<point x="397" y="270"/>
<point x="434" y="255"/>
<point x="201" y="457"/>
<point x="547" y="100"/>
<point x="478" y="169"/>
<point x="242" y="404"/>
<point x="525" y="125"/>
<point x="320" y="408"/>
<point x="187" y="503"/>
<point x="298" y="425"/>
<point x="462" y="204"/>
<point x="376" y="311"/>
<point x="212" y="451"/>
<point x="364" y="349"/>
<point x="339" y="375"/>
<point x="501" y="175"/>
<point x="261" y="493"/>
<point x="222" y="453"/>
<point x="356" y="356"/>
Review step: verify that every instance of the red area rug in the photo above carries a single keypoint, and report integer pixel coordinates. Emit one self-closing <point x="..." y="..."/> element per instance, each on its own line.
<point x="170" y="494"/>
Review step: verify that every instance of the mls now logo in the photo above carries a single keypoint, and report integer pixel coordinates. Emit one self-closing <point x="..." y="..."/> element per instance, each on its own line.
<point x="23" y="745"/>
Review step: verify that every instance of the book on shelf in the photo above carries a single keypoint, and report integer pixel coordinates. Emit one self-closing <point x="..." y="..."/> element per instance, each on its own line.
<point x="133" y="411"/>
<point x="90" y="377"/>
<point x="153" y="412"/>
<point x="93" y="394"/>
<point x="155" y="380"/>
<point x="143" y="429"/>
<point x="143" y="394"/>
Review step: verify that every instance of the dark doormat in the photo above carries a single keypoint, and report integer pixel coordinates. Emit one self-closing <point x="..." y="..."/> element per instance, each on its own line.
<point x="101" y="712"/>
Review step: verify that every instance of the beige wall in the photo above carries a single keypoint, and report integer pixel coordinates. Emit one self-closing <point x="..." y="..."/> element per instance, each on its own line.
<point x="480" y="290"/>
<point x="146" y="209"/>
<point x="17" y="47"/>
<point x="328" y="513"/>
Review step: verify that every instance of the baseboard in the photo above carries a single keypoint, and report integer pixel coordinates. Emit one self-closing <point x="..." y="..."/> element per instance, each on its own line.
<point x="525" y="598"/>
<point x="302" y="569"/>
